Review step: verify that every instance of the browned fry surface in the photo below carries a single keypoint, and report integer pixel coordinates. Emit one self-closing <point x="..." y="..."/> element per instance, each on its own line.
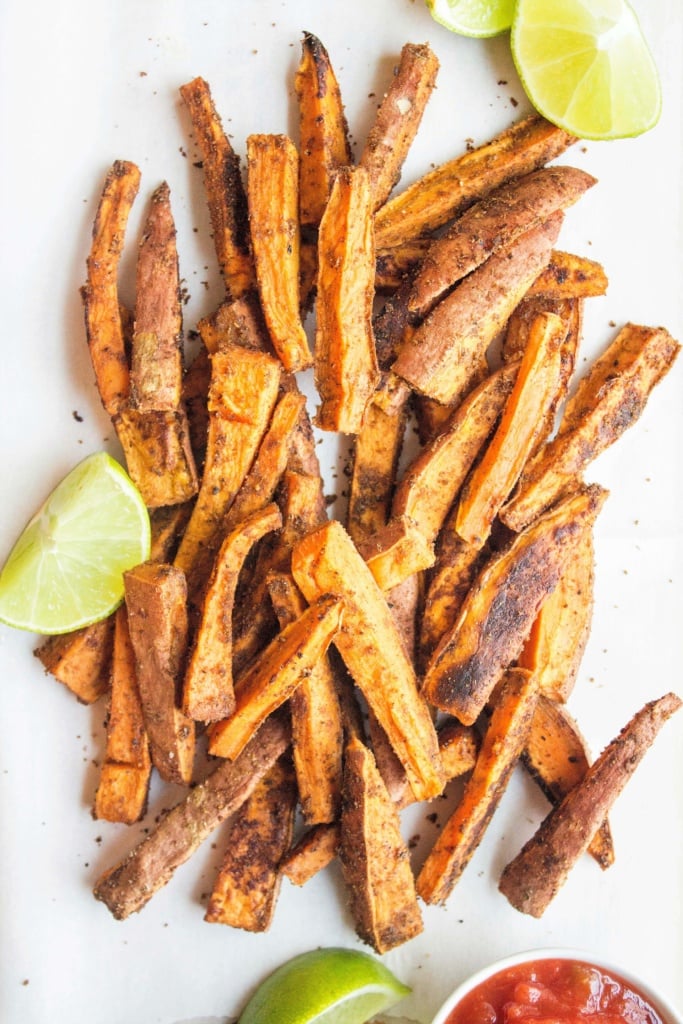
<point x="532" y="880"/>
<point x="246" y="889"/>
<point x="374" y="858"/>
<point x="81" y="659"/>
<point x="316" y="848"/>
<point x="457" y="564"/>
<point x="396" y="552"/>
<point x="568" y="276"/>
<point x="159" y="457"/>
<point x="128" y="886"/>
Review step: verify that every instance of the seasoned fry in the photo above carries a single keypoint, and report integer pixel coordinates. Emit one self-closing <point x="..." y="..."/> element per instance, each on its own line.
<point x="274" y="676"/>
<point x="236" y="322"/>
<point x="224" y="190"/>
<point x="273" y="197"/>
<point x="103" y="326"/>
<point x="534" y="394"/>
<point x="539" y="870"/>
<point x="128" y="886"/>
<point x="317" y="729"/>
<point x="323" y="131"/>
<point x="457" y="565"/>
<point x="327" y="562"/>
<point x="442" y="355"/>
<point x="569" y="277"/>
<point x="441" y="194"/>
<point x="556" y="756"/>
<point x="610" y="409"/>
<point x="464" y="830"/>
<point x="374" y="858"/>
<point x="396" y="552"/>
<point x="159" y="456"/>
<point x="157" y="620"/>
<point x="345" y="367"/>
<point x="246" y="889"/>
<point x="124" y="778"/>
<point x="81" y="660"/>
<point x="497" y="614"/>
<point x="208" y="694"/>
<point x="315" y="849"/>
<point x="393" y="266"/>
<point x="398" y="119"/>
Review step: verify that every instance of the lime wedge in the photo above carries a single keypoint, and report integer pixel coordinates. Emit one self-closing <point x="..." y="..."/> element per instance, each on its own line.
<point x="478" y="18"/>
<point x="586" y="67"/>
<point x="66" y="569"/>
<point x="325" y="986"/>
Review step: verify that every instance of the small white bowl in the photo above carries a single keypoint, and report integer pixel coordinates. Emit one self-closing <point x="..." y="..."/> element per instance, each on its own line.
<point x="663" y="1007"/>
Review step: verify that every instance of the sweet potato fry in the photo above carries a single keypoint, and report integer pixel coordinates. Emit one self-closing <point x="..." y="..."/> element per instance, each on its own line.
<point x="556" y="756"/>
<point x="273" y="197"/>
<point x="497" y="614"/>
<point x="432" y="481"/>
<point x="500" y="750"/>
<point x="157" y="620"/>
<point x="327" y="562"/>
<point x="393" y="266"/>
<point x="539" y="870"/>
<point x="274" y="676"/>
<point x="324" y="133"/>
<point x="345" y="366"/>
<point x="456" y="567"/>
<point x="441" y="194"/>
<point x="317" y="730"/>
<point x="248" y="882"/>
<point x="398" y="119"/>
<point x="236" y="322"/>
<point x="81" y="660"/>
<point x="243" y="392"/>
<point x="127" y="887"/>
<point x="396" y="552"/>
<point x="208" y="694"/>
<point x="568" y="276"/>
<point x="124" y="777"/>
<point x="314" y="850"/>
<point x="537" y="384"/>
<point x="374" y="857"/>
<point x="440" y="357"/>
<point x="103" y="326"/>
<point x="159" y="457"/>
<point x="224" y="190"/>
<point x="610" y="409"/>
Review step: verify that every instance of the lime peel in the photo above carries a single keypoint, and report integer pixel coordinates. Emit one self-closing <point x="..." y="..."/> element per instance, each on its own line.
<point x="476" y="18"/>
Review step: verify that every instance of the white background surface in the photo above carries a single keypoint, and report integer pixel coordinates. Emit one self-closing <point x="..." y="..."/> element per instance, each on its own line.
<point x="84" y="83"/>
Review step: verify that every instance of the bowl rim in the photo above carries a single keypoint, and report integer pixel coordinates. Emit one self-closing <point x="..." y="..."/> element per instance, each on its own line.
<point x="660" y="1002"/>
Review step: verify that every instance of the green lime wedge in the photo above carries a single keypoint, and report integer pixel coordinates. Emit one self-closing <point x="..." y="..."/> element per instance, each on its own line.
<point x="586" y="66"/>
<point x="325" y="986"/>
<point x="477" y="18"/>
<point x="66" y="569"/>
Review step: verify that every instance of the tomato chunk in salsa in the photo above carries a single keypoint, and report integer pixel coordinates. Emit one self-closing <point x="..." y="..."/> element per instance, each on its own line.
<point x="554" y="992"/>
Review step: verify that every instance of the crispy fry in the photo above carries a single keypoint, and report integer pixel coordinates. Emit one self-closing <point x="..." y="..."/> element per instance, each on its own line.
<point x="610" y="408"/>
<point x="157" y="620"/>
<point x="393" y="266"/>
<point x="273" y="197"/>
<point x="159" y="456"/>
<point x="534" y="394"/>
<point x="536" y="874"/>
<point x="224" y="190"/>
<point x="457" y="564"/>
<point x="274" y="676"/>
<point x="128" y="886"/>
<point x="208" y="694"/>
<point x="556" y="756"/>
<point x="317" y="730"/>
<point x="345" y="365"/>
<point x="236" y="322"/>
<point x="324" y="133"/>
<point x="104" y="329"/>
<point x="398" y="119"/>
<point x="246" y="889"/>
<point x="441" y="194"/>
<point x="442" y="354"/>
<point x="124" y="778"/>
<point x="327" y="562"/>
<point x="315" y="849"/>
<point x="81" y="659"/>
<point x="374" y="858"/>
<point x="464" y="830"/>
<point x="497" y="614"/>
<point x="196" y="380"/>
<point x="569" y="277"/>
<point x="396" y="552"/>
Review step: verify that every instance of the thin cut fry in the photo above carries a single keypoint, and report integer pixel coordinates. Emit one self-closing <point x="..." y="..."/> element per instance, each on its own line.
<point x="398" y="119"/>
<point x="248" y="882"/>
<point x="569" y="277"/>
<point x="396" y="552"/>
<point x="316" y="848"/>
<point x="464" y="830"/>
<point x="539" y="870"/>
<point x="128" y="886"/>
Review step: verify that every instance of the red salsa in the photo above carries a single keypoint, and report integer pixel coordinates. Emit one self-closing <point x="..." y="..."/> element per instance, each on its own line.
<point x="554" y="992"/>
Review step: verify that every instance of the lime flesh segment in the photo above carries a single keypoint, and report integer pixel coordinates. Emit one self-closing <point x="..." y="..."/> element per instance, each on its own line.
<point x="325" y="986"/>
<point x="479" y="18"/>
<point x="586" y="66"/>
<point x="66" y="569"/>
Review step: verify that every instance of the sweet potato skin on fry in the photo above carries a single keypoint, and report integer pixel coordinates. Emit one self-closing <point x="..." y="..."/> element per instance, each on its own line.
<point x="80" y="660"/>
<point x="532" y="880"/>
<point x="500" y="608"/>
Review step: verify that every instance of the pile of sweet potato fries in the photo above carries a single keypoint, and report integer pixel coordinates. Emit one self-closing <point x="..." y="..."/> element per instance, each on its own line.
<point x="276" y="662"/>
